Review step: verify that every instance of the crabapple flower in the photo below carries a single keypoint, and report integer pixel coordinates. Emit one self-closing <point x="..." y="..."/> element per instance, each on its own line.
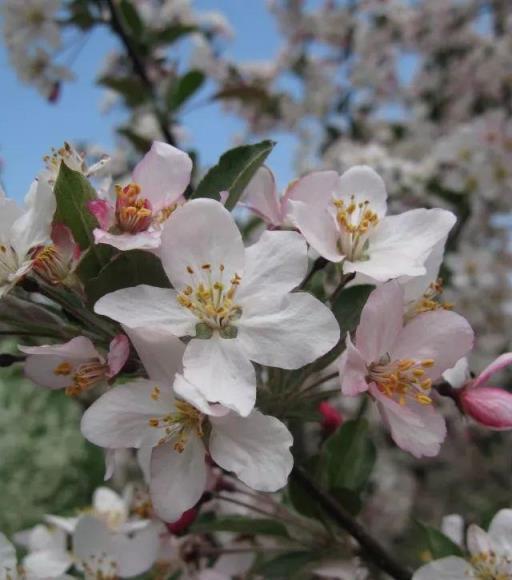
<point x="146" y="413"/>
<point x="261" y="196"/>
<point x="397" y="363"/>
<point x="235" y="303"/>
<point x="73" y="159"/>
<point x="22" y="230"/>
<point x="135" y="219"/>
<point x="490" y="554"/>
<point x="348" y="223"/>
<point x="489" y="406"/>
<point x="75" y="365"/>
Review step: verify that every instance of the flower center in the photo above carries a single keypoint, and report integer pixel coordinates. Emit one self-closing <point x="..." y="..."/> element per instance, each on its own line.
<point x="431" y="299"/>
<point x="402" y="379"/>
<point x="100" y="567"/>
<point x="8" y="263"/>
<point x="49" y="263"/>
<point x="489" y="566"/>
<point x="355" y="222"/>
<point x="133" y="213"/>
<point x="82" y="377"/>
<point x="212" y="301"/>
<point x="179" y="424"/>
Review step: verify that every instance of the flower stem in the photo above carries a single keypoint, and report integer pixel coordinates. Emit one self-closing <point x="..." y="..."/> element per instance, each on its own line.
<point x="373" y="550"/>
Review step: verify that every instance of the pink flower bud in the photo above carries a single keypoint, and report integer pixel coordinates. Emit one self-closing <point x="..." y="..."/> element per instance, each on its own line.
<point x="331" y="418"/>
<point x="186" y="520"/>
<point x="489" y="406"/>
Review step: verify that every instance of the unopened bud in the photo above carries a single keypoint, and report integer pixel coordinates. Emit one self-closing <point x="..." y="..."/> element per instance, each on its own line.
<point x="488" y="406"/>
<point x="182" y="524"/>
<point x="331" y="417"/>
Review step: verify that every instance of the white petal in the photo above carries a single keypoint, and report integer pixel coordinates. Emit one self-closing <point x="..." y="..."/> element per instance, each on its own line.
<point x="316" y="188"/>
<point x="500" y="531"/>
<point x="147" y="306"/>
<point x="9" y="213"/>
<point x="261" y="196"/>
<point x="191" y="394"/>
<point x="353" y="370"/>
<point x="287" y="333"/>
<point x="277" y="263"/>
<point x="452" y="526"/>
<point x="414" y="287"/>
<point x="364" y="184"/>
<point x="163" y="174"/>
<point x="201" y="232"/>
<point x="120" y="417"/>
<point x="68" y="525"/>
<point x="106" y="501"/>
<point x="221" y="371"/>
<point x="8" y="559"/>
<point x="178" y="480"/>
<point x="160" y="351"/>
<point x="478" y="540"/>
<point x="44" y="538"/>
<point x="256" y="448"/>
<point x="451" y="568"/>
<point x="137" y="553"/>
<point x="148" y="240"/>
<point x="47" y="563"/>
<point x="458" y="375"/>
<point x="92" y="540"/>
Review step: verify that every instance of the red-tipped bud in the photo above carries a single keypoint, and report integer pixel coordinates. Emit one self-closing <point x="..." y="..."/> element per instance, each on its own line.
<point x="187" y="519"/>
<point x="331" y="418"/>
<point x="491" y="407"/>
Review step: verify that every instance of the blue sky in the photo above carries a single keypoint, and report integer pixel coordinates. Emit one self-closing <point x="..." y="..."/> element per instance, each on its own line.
<point x="30" y="127"/>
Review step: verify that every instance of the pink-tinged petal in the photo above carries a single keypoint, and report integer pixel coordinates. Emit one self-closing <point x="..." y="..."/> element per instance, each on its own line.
<point x="148" y="240"/>
<point x="287" y="333"/>
<point x="364" y="184"/>
<point x="318" y="226"/>
<point x="500" y="532"/>
<point x="191" y="394"/>
<point x="103" y="211"/>
<point x="353" y="370"/>
<point x="458" y="375"/>
<point x="160" y="351"/>
<point x="163" y="174"/>
<point x="489" y="406"/>
<point x="418" y="429"/>
<point x="145" y="307"/>
<point x="401" y="244"/>
<point x="440" y="335"/>
<point x="276" y="263"/>
<point x="222" y="372"/>
<point x="178" y="480"/>
<point x="261" y="197"/>
<point x="65" y="242"/>
<point x="316" y="189"/>
<point x="256" y="448"/>
<point x="200" y="233"/>
<point x="118" y="354"/>
<point x="120" y="418"/>
<point x="451" y="568"/>
<point x="381" y="321"/>
<point x="478" y="541"/>
<point x="504" y="360"/>
<point x="223" y="197"/>
<point x="79" y="348"/>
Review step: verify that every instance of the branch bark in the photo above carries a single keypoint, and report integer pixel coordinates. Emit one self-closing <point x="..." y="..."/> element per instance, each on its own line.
<point x="374" y="551"/>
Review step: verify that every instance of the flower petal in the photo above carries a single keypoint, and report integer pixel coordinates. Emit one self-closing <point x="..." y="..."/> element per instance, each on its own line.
<point x="199" y="233"/>
<point x="450" y="568"/>
<point x="277" y="263"/>
<point x="364" y="184"/>
<point x="256" y="448"/>
<point x="501" y="362"/>
<point x="163" y="174"/>
<point x="500" y="531"/>
<point x="459" y="374"/>
<point x="478" y="541"/>
<point x="489" y="406"/>
<point x="191" y="394"/>
<point x="120" y="417"/>
<point x="47" y="563"/>
<point x="260" y="196"/>
<point x="441" y="335"/>
<point x="119" y="351"/>
<point x="381" y="321"/>
<point x="148" y="240"/>
<point x="178" y="480"/>
<point x="287" y="333"/>
<point x="8" y="559"/>
<point x="221" y="371"/>
<point x="418" y="429"/>
<point x="136" y="553"/>
<point x="316" y="188"/>
<point x="147" y="306"/>
<point x="353" y="370"/>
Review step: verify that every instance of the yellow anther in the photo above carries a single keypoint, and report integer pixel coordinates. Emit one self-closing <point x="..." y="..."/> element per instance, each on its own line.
<point x="63" y="369"/>
<point x="423" y="399"/>
<point x="155" y="393"/>
<point x="427" y="363"/>
<point x="154" y="423"/>
<point x="426" y="384"/>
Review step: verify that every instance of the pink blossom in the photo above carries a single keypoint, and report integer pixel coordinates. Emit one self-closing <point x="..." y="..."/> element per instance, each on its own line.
<point x="397" y="364"/>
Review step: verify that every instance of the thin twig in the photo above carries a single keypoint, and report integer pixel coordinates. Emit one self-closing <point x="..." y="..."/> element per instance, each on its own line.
<point x="373" y="550"/>
<point x="319" y="382"/>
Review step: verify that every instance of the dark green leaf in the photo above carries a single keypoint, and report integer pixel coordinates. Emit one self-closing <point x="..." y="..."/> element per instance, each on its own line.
<point x="140" y="143"/>
<point x="130" y="88"/>
<point x="243" y="93"/>
<point x="285" y="566"/>
<point x="233" y="172"/>
<point x="349" y="456"/>
<point x="127" y="269"/>
<point x="348" y="306"/>
<point x="131" y="18"/>
<point x="183" y="88"/>
<point x="439" y="545"/>
<point x="241" y="525"/>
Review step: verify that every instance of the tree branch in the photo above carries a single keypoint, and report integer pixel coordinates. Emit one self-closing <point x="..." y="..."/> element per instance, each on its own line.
<point x="138" y="67"/>
<point x="374" y="551"/>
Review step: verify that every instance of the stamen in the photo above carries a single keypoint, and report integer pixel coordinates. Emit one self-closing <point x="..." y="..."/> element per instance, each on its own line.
<point x="355" y="220"/>
<point x="133" y="213"/>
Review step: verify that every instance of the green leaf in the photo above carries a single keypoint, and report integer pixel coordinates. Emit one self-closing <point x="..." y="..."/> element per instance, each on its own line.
<point x="183" y="88"/>
<point x="241" y="525"/>
<point x="439" y="545"/>
<point x="140" y="143"/>
<point x="285" y="566"/>
<point x="349" y="456"/>
<point x="348" y="306"/>
<point x="243" y="93"/>
<point x="131" y="18"/>
<point x="233" y="172"/>
<point x="127" y="269"/>
<point x="130" y="88"/>
<point x="172" y="33"/>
